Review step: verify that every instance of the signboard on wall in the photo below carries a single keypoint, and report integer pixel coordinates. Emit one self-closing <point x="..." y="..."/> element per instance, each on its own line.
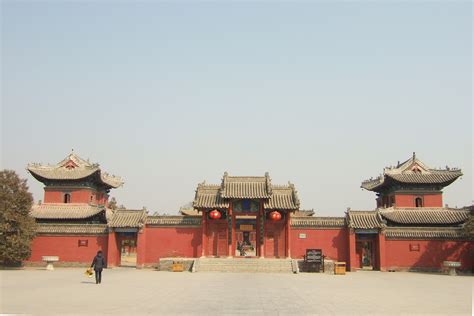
<point x="246" y="228"/>
<point x="414" y="247"/>
<point x="314" y="255"/>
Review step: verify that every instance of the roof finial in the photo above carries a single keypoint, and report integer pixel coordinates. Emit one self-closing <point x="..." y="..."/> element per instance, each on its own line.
<point x="414" y="156"/>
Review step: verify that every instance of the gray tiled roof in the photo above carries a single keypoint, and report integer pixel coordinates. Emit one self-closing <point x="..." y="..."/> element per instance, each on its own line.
<point x="72" y="168"/>
<point x="208" y="196"/>
<point x="128" y="218"/>
<point x="246" y="187"/>
<point x="435" y="177"/>
<point x="86" y="229"/>
<point x="425" y="215"/>
<point x="173" y="221"/>
<point x="302" y="213"/>
<point x="189" y="212"/>
<point x="364" y="219"/>
<point x="318" y="222"/>
<point x="283" y="198"/>
<point x="424" y="232"/>
<point x="64" y="211"/>
<point x="413" y="171"/>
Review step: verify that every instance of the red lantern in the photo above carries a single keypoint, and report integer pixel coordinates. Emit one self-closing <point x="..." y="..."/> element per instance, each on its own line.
<point x="275" y="216"/>
<point x="215" y="214"/>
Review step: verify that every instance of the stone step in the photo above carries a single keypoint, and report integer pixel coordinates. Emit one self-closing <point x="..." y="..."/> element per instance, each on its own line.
<point x="244" y="265"/>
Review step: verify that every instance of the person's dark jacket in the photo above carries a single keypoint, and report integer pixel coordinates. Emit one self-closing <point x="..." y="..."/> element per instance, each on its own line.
<point x="98" y="263"/>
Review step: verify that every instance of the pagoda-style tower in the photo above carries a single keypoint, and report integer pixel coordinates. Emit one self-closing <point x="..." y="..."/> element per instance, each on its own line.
<point x="409" y="220"/>
<point x="74" y="221"/>
<point x="75" y="191"/>
<point x="411" y="184"/>
<point x="74" y="180"/>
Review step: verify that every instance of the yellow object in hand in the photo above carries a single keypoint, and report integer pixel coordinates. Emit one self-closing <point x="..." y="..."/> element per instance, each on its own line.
<point x="89" y="272"/>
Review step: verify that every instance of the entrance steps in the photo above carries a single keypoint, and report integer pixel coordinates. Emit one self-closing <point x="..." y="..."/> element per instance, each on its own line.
<point x="244" y="265"/>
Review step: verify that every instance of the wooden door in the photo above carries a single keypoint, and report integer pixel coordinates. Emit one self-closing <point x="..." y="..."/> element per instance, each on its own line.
<point x="270" y="245"/>
<point x="222" y="243"/>
<point x="275" y="241"/>
<point x="217" y="240"/>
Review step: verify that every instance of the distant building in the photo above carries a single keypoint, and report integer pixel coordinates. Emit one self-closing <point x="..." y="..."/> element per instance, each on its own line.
<point x="252" y="217"/>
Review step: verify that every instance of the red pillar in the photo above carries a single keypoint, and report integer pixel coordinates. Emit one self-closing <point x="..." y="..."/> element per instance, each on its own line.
<point x="230" y="253"/>
<point x="352" y="249"/>
<point x="288" y="234"/>
<point x="381" y="242"/>
<point x="141" y="247"/>
<point x="261" y="234"/>
<point x="204" y="233"/>
<point x="113" y="253"/>
<point x="258" y="234"/>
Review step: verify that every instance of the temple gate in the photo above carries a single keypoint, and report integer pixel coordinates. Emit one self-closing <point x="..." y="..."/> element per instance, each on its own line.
<point x="246" y="217"/>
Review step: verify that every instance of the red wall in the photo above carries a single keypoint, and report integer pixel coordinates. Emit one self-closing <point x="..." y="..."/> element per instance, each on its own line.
<point x="162" y="242"/>
<point x="333" y="242"/>
<point x="431" y="253"/>
<point x="141" y="247"/>
<point x="67" y="248"/>
<point x="77" y="196"/>
<point x="429" y="200"/>
<point x="113" y="254"/>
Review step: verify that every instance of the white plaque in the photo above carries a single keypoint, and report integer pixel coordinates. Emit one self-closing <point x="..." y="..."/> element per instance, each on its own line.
<point x="302" y="236"/>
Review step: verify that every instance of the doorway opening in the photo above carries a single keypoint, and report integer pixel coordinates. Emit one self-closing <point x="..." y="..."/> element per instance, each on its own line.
<point x="128" y="249"/>
<point x="365" y="252"/>
<point x="246" y="236"/>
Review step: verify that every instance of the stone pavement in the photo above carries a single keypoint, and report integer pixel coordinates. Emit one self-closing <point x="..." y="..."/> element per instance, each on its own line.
<point x="126" y="291"/>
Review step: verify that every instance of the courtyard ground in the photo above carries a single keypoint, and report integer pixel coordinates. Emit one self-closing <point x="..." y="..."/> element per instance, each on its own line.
<point x="127" y="291"/>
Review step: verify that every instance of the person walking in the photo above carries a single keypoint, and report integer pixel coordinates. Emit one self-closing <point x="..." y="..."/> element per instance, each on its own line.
<point x="98" y="264"/>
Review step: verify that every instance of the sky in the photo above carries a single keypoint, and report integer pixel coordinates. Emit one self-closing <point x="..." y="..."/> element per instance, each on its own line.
<point x="169" y="94"/>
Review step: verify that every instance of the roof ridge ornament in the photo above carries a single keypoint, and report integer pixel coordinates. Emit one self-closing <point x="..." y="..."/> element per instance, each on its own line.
<point x="295" y="194"/>
<point x="268" y="182"/>
<point x="223" y="183"/>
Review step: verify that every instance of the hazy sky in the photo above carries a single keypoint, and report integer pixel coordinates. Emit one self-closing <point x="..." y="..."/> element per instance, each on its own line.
<point x="167" y="94"/>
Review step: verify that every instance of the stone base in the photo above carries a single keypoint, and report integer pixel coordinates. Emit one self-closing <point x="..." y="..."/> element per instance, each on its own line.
<point x="309" y="267"/>
<point x="167" y="264"/>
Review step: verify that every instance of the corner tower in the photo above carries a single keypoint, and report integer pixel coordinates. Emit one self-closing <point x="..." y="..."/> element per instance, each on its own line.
<point x="411" y="184"/>
<point x="75" y="180"/>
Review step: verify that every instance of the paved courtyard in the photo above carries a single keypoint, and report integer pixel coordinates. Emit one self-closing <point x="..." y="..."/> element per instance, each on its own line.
<point x="139" y="292"/>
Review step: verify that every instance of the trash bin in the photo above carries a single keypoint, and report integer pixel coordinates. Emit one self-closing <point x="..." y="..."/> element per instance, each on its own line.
<point x="339" y="268"/>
